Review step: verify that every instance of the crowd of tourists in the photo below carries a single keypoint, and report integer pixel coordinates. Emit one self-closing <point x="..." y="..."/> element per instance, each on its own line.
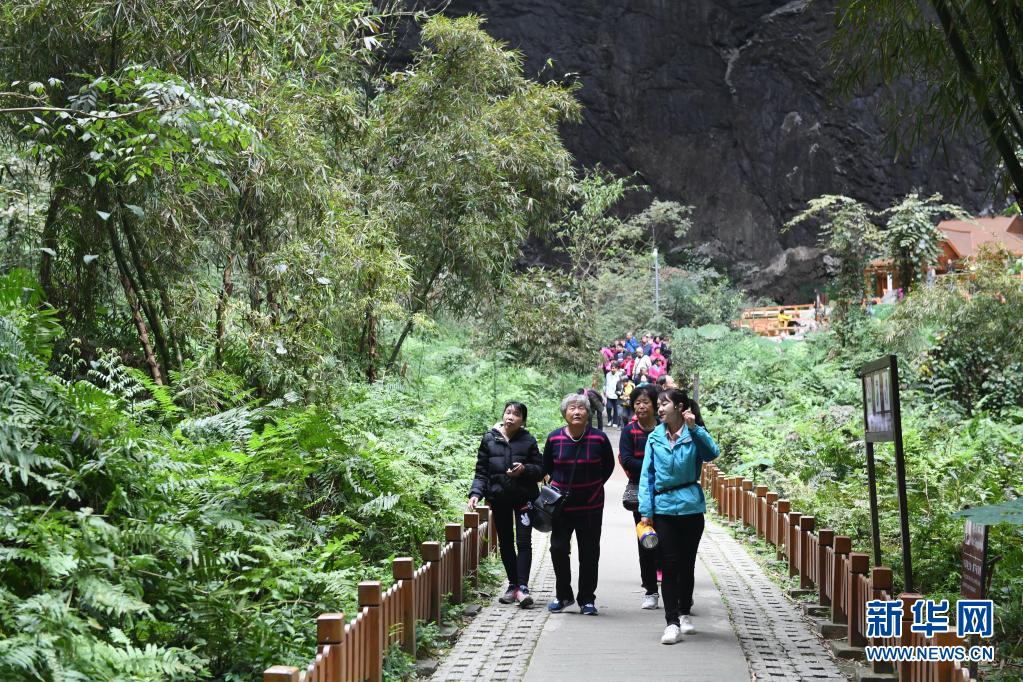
<point x="662" y="447"/>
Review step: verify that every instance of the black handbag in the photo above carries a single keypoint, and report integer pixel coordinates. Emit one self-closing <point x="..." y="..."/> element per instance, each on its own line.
<point x="630" y="498"/>
<point x="548" y="505"/>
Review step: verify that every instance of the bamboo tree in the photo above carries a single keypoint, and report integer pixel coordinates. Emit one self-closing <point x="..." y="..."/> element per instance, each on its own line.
<point x="966" y="53"/>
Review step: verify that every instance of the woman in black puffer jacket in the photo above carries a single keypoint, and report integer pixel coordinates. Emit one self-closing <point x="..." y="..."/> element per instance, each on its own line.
<point x="508" y="467"/>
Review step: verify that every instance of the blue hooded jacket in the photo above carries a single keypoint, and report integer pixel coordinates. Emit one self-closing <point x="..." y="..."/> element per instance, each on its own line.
<point x="669" y="466"/>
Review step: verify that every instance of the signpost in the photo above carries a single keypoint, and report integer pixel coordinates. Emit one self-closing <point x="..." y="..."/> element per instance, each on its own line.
<point x="974" y="581"/>
<point x="882" y="419"/>
<point x="974" y="561"/>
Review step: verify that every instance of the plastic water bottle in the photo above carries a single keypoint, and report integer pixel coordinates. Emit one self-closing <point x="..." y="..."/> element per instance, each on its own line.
<point x="647" y="535"/>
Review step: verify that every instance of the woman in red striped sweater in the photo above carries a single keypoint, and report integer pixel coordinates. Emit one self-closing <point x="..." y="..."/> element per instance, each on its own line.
<point x="579" y="460"/>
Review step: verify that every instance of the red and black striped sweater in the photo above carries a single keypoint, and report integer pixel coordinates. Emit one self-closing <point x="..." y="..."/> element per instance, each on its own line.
<point x="594" y="463"/>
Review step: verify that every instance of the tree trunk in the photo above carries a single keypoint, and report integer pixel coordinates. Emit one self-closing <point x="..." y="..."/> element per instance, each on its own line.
<point x="140" y="325"/>
<point x="149" y="307"/>
<point x="417" y="305"/>
<point x="981" y="100"/>
<point x="370" y="333"/>
<point x="1004" y="43"/>
<point x="50" y="242"/>
<point x="371" y="340"/>
<point x="225" y="293"/>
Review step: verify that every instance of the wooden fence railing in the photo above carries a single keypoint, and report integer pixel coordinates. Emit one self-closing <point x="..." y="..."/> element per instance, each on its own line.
<point x="824" y="561"/>
<point x="779" y="320"/>
<point x="353" y="651"/>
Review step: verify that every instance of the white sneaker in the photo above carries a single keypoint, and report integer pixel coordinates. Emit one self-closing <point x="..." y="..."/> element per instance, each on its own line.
<point x="686" y="625"/>
<point x="650" y="601"/>
<point x="672" y="634"/>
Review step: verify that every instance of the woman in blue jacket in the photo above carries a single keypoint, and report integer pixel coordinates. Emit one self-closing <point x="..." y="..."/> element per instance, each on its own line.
<point x="670" y="495"/>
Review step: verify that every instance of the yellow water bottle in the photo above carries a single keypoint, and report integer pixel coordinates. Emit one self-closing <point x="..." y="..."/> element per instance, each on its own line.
<point x="646" y="534"/>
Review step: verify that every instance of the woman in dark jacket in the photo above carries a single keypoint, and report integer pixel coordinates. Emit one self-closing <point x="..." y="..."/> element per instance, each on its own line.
<point x="508" y="467"/>
<point x="631" y="448"/>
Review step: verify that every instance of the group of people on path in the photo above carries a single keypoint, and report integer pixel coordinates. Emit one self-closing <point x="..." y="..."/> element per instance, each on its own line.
<point x="661" y="448"/>
<point x="626" y="364"/>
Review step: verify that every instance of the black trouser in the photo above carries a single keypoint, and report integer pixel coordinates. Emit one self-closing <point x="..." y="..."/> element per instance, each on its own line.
<point x="679" y="538"/>
<point x="586" y="526"/>
<point x="647" y="562"/>
<point x="597" y="415"/>
<point x="612" y="411"/>
<point x="521" y="538"/>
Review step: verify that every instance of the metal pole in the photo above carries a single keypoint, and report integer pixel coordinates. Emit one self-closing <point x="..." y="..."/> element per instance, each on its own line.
<point x="874" y="526"/>
<point x="900" y="471"/>
<point x="657" y="285"/>
<point x="871" y="483"/>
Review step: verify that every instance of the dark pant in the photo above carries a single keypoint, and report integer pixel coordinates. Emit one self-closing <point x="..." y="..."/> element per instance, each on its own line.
<point x="515" y="565"/>
<point x="612" y="411"/>
<point x="597" y="415"/>
<point x="647" y="563"/>
<point x="679" y="538"/>
<point x="586" y="526"/>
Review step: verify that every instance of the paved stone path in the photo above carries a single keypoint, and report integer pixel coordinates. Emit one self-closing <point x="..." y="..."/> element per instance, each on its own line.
<point x="775" y="639"/>
<point x="498" y="643"/>
<point x="770" y="641"/>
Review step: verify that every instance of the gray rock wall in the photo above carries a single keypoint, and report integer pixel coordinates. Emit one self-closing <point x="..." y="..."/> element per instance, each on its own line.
<point x="726" y="105"/>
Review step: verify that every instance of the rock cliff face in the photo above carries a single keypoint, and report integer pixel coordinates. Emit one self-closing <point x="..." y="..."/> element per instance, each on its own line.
<point x="726" y="105"/>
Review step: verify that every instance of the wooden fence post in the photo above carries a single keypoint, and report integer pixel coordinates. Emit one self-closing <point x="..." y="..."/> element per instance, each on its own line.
<point x="843" y="545"/>
<point x="770" y="522"/>
<point x="485" y="546"/>
<point x="747" y="485"/>
<point x="280" y="673"/>
<point x="330" y="632"/>
<point x="908" y="599"/>
<point x="369" y="598"/>
<point x="761" y="492"/>
<point x="736" y="498"/>
<point x="453" y="535"/>
<point x="487" y="514"/>
<point x="471" y="520"/>
<point x="431" y="554"/>
<point x="806" y="526"/>
<point x="793" y="542"/>
<point x="781" y="529"/>
<point x="404" y="569"/>
<point x="825" y="540"/>
<point x="859" y="565"/>
<point x="881" y="588"/>
<point x="945" y="669"/>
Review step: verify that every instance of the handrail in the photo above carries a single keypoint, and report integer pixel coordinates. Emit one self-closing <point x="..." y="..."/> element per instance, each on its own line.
<point x="825" y="561"/>
<point x="354" y="651"/>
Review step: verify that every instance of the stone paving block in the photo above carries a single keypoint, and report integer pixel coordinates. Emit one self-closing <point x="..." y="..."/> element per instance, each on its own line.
<point x="765" y="621"/>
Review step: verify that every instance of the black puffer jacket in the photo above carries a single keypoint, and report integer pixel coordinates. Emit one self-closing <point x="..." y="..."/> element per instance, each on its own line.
<point x="496" y="455"/>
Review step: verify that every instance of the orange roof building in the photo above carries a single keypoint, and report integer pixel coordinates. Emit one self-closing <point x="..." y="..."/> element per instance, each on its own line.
<point x="961" y="240"/>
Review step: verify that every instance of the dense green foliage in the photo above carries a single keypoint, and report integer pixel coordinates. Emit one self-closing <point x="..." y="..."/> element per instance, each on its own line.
<point x="149" y="537"/>
<point x="790" y="416"/>
<point x="219" y="217"/>
<point x="272" y="149"/>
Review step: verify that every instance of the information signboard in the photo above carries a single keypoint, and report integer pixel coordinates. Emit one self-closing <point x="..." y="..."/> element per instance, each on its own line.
<point x="878" y="401"/>
<point x="974" y="561"/>
<point x="882" y="423"/>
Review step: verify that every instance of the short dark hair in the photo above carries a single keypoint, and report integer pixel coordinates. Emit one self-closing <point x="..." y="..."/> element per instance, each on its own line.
<point x="520" y="409"/>
<point x="662" y="380"/>
<point x="648" y="390"/>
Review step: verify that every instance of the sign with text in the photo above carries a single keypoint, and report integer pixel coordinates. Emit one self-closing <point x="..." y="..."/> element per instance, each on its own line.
<point x="879" y="398"/>
<point x="882" y="423"/>
<point x="974" y="561"/>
